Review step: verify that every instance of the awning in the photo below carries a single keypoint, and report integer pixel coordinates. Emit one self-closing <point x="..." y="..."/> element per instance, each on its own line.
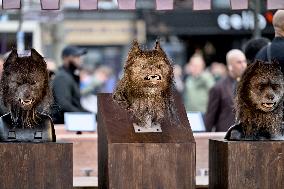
<point x="215" y="22"/>
<point x="130" y="4"/>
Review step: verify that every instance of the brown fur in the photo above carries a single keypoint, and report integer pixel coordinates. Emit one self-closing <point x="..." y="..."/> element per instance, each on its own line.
<point x="25" y="78"/>
<point x="142" y="97"/>
<point x="261" y="83"/>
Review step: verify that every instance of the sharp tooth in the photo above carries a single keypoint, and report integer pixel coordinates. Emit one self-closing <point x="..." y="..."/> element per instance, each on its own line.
<point x="268" y="105"/>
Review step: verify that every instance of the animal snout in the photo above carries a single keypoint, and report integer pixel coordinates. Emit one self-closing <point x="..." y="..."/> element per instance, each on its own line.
<point x="270" y="96"/>
<point x="26" y="102"/>
<point x="154" y="77"/>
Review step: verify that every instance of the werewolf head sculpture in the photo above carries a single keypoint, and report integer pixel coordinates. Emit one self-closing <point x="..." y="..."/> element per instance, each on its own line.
<point x="259" y="102"/>
<point x="146" y="88"/>
<point x="25" y="87"/>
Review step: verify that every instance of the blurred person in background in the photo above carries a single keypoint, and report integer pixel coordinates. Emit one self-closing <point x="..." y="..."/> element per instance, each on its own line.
<point x="1" y="64"/>
<point x="51" y="67"/>
<point x="253" y="46"/>
<point x="2" y="107"/>
<point x="110" y="80"/>
<point x="220" y="114"/>
<point x="218" y="70"/>
<point x="65" y="85"/>
<point x="178" y="78"/>
<point x="197" y="85"/>
<point x="86" y="75"/>
<point x="275" y="49"/>
<point x="93" y="82"/>
<point x="5" y="56"/>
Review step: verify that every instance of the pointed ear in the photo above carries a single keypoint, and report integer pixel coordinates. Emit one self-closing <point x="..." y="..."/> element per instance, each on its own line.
<point x="35" y="55"/>
<point x="135" y="47"/>
<point x="158" y="47"/>
<point x="257" y="62"/>
<point x="275" y="62"/>
<point x="12" y="56"/>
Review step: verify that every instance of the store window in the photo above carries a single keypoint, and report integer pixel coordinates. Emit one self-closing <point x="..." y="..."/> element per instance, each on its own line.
<point x="9" y="41"/>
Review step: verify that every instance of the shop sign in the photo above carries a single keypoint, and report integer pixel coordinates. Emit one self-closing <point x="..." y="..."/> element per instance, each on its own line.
<point x="106" y="32"/>
<point x="242" y="21"/>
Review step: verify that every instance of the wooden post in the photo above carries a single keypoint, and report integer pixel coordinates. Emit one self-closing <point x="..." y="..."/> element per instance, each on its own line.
<point x="36" y="165"/>
<point x="129" y="160"/>
<point x="246" y="164"/>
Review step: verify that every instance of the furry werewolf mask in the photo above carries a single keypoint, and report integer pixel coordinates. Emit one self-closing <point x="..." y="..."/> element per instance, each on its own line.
<point x="259" y="103"/>
<point x="25" y="87"/>
<point x="146" y="88"/>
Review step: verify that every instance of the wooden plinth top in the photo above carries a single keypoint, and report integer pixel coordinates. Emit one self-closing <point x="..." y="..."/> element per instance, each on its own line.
<point x="119" y="127"/>
<point x="248" y="141"/>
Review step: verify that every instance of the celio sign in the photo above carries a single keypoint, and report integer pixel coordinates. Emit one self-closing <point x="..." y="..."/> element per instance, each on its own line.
<point x="242" y="21"/>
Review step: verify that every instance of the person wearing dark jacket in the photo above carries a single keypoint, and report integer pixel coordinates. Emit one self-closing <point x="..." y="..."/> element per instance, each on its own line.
<point x="275" y="49"/>
<point x="65" y="85"/>
<point x="253" y="46"/>
<point x="3" y="109"/>
<point x="219" y="115"/>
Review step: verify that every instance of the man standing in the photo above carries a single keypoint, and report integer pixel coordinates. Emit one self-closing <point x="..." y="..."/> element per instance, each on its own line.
<point x="65" y="86"/>
<point x="197" y="85"/>
<point x="253" y="46"/>
<point x="275" y="49"/>
<point x="2" y="108"/>
<point x="219" y="114"/>
<point x="1" y="64"/>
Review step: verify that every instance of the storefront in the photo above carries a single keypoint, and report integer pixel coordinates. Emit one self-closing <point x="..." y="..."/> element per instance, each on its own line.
<point x="197" y="30"/>
<point x="31" y="35"/>
<point x="107" y="41"/>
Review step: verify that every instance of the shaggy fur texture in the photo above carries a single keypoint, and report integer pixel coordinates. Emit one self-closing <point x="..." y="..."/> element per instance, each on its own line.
<point x="146" y="88"/>
<point x="25" y="87"/>
<point x="259" y="100"/>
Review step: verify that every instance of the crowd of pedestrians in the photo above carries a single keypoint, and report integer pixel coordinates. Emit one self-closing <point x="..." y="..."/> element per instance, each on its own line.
<point x="208" y="90"/>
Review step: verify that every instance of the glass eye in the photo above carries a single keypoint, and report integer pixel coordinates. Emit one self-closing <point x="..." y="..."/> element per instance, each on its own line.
<point x="275" y="86"/>
<point x="261" y="87"/>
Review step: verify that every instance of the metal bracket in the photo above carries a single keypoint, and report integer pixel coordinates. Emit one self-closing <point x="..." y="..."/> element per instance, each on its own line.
<point x="155" y="128"/>
<point x="12" y="135"/>
<point x="38" y="135"/>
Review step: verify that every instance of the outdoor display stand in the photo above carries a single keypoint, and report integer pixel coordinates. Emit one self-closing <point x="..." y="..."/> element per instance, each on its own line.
<point x="130" y="160"/>
<point x="246" y="164"/>
<point x="36" y="165"/>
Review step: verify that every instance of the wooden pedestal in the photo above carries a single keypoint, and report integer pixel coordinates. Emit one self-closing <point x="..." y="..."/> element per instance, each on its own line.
<point x="129" y="160"/>
<point x="246" y="164"/>
<point x="36" y="165"/>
